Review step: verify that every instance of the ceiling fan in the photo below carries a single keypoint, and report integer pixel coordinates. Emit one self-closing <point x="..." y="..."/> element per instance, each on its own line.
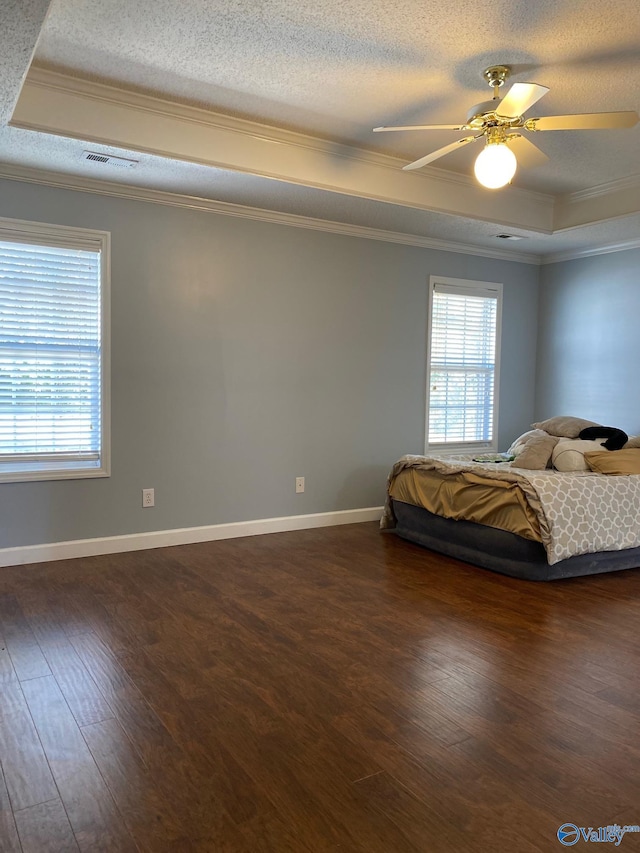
<point x="501" y="122"/>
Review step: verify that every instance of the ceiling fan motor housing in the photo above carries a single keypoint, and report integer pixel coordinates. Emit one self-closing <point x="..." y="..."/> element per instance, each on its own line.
<point x="486" y="115"/>
<point x="476" y="117"/>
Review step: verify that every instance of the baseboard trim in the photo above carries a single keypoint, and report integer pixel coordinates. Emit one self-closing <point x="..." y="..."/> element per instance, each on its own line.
<point x="25" y="554"/>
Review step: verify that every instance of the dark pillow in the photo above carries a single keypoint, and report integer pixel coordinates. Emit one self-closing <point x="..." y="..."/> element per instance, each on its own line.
<point x="616" y="438"/>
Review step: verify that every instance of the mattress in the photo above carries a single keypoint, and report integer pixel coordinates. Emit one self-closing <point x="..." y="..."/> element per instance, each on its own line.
<point x="519" y="522"/>
<point x="499" y="550"/>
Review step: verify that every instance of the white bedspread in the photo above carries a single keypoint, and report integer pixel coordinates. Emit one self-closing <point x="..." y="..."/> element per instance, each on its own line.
<point x="578" y="513"/>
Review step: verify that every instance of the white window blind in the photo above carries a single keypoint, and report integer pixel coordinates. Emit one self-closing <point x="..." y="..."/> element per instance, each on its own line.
<point x="463" y="363"/>
<point x="51" y="360"/>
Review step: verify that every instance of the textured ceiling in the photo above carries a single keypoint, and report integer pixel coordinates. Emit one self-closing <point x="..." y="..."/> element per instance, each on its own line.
<point x="21" y="25"/>
<point x="335" y="70"/>
<point x="341" y="67"/>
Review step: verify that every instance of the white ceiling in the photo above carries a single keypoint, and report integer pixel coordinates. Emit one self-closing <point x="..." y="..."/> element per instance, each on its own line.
<point x="335" y="70"/>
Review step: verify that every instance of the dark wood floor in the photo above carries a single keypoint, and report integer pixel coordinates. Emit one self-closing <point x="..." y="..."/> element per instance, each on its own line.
<point x="332" y="689"/>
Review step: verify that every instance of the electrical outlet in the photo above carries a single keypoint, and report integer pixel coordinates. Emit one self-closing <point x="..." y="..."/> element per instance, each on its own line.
<point x="299" y="485"/>
<point x="148" y="497"/>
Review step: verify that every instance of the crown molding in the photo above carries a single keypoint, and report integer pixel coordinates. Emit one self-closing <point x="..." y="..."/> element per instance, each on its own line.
<point x="631" y="182"/>
<point x="143" y="194"/>
<point x="601" y="203"/>
<point x="53" y="102"/>
<point x="56" y="103"/>
<point x="574" y="254"/>
<point x="58" y="81"/>
<point x="132" y="193"/>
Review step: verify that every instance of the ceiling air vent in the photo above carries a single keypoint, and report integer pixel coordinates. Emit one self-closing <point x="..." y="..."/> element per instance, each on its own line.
<point x="509" y="237"/>
<point x="109" y="159"/>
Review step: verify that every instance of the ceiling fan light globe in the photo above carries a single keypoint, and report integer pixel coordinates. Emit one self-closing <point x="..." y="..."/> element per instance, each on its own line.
<point x="495" y="166"/>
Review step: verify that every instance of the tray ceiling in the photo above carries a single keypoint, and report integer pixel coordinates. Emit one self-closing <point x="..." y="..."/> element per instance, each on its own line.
<point x="332" y="72"/>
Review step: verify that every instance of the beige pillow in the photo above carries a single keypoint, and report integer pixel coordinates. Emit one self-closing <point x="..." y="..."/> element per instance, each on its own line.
<point x="568" y="454"/>
<point x="634" y="441"/>
<point x="564" y="426"/>
<point x="621" y="462"/>
<point x="533" y="449"/>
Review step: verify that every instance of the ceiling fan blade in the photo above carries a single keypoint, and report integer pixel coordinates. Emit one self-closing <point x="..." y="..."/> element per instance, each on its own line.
<point x="585" y="121"/>
<point x="422" y="127"/>
<point x="527" y="154"/>
<point x="520" y="98"/>
<point x="441" y="152"/>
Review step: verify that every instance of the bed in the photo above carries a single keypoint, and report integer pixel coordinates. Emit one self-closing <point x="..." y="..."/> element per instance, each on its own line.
<point x="536" y="525"/>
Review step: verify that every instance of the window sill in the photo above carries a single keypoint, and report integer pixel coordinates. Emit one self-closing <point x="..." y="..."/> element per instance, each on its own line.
<point x="16" y="472"/>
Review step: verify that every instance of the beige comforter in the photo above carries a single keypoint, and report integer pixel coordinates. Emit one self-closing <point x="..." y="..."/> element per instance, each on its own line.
<point x="577" y="513"/>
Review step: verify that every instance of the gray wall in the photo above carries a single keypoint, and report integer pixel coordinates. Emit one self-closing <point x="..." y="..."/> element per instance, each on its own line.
<point x="589" y="340"/>
<point x="245" y="354"/>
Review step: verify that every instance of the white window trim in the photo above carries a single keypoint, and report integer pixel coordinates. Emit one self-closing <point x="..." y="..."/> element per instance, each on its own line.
<point x="45" y="234"/>
<point x="452" y="448"/>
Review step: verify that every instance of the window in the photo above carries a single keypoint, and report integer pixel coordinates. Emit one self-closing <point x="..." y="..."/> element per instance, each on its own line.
<point x="54" y="391"/>
<point x="462" y="364"/>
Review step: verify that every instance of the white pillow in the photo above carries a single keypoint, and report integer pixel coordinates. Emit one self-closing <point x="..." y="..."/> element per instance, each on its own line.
<point x="568" y="454"/>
